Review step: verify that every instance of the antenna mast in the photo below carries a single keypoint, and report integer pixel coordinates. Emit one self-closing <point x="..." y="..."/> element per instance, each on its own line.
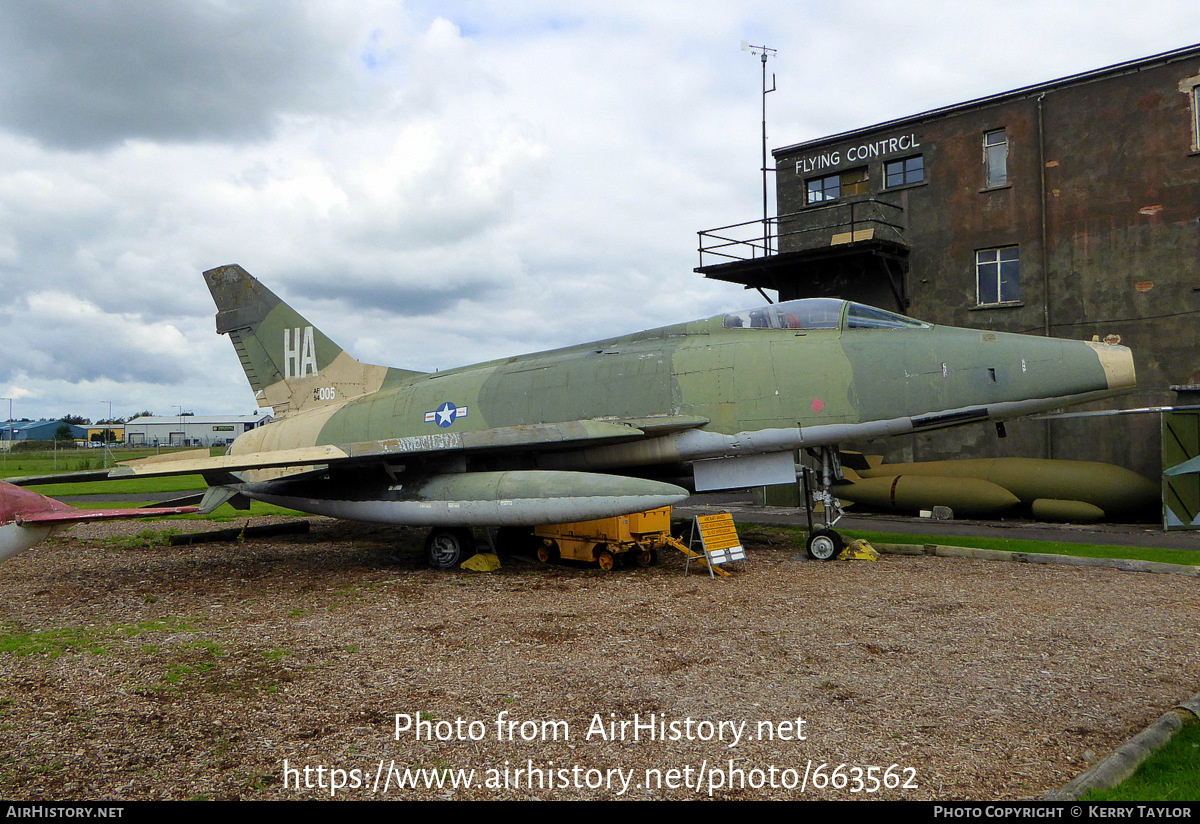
<point x="763" y="53"/>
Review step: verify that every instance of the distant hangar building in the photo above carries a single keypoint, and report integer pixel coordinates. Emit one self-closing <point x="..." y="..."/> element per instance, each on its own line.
<point x="190" y="430"/>
<point x="1069" y="208"/>
<point x="38" y="431"/>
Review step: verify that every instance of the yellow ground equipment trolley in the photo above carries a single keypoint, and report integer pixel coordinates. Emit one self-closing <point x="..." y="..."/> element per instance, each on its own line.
<point x="631" y="540"/>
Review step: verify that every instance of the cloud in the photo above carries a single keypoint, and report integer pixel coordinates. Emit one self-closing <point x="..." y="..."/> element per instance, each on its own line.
<point x="91" y="75"/>
<point x="434" y="184"/>
<point x="57" y="335"/>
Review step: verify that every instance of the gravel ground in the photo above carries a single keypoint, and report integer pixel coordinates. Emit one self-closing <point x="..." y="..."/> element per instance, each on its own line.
<point x="161" y="672"/>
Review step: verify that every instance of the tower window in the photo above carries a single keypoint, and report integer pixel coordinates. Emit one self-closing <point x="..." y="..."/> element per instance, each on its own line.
<point x="997" y="276"/>
<point x="1196" y="118"/>
<point x="903" y="172"/>
<point x="832" y="187"/>
<point x="995" y="157"/>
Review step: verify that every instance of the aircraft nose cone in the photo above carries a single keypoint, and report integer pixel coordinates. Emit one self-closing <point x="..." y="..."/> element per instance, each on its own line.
<point x="1118" y="364"/>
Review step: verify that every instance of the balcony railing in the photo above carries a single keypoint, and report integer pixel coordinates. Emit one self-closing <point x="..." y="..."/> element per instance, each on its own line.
<point x="807" y="229"/>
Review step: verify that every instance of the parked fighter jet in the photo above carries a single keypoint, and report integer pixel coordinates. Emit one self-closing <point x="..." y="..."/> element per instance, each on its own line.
<point x="27" y="518"/>
<point x="584" y="432"/>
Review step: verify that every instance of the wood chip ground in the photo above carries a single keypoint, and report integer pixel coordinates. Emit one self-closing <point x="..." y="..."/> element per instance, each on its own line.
<point x="174" y="673"/>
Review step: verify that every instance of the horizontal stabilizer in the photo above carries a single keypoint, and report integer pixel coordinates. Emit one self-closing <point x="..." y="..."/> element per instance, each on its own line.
<point x="217" y="496"/>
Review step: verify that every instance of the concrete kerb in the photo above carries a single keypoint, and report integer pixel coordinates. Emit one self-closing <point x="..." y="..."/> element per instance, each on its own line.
<point x="1035" y="558"/>
<point x="1125" y="759"/>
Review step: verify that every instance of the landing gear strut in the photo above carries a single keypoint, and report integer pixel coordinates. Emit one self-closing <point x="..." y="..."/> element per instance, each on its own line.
<point x="824" y="543"/>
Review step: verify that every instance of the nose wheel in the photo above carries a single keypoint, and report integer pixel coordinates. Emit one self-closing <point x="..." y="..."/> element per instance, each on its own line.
<point x="825" y="544"/>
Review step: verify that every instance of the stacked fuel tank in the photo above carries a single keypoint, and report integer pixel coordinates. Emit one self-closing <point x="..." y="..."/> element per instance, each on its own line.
<point x="1049" y="490"/>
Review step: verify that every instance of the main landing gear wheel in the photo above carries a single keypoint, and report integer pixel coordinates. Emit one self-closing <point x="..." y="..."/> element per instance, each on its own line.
<point x="824" y="544"/>
<point x="547" y="553"/>
<point x="446" y="548"/>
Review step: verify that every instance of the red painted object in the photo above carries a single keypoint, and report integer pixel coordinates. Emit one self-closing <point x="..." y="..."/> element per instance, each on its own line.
<point x="27" y="518"/>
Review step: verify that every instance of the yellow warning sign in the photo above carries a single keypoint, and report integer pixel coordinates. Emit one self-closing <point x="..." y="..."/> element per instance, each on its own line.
<point x="718" y="532"/>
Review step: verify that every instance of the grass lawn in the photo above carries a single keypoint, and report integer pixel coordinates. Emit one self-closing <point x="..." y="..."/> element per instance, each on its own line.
<point x="1171" y="774"/>
<point x="1163" y="556"/>
<point x="14" y="464"/>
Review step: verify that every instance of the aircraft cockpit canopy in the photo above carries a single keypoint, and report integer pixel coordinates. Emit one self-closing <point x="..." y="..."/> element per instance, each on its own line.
<point x="819" y="313"/>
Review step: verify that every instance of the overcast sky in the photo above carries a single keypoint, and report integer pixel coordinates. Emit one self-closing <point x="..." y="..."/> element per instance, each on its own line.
<point x="434" y="183"/>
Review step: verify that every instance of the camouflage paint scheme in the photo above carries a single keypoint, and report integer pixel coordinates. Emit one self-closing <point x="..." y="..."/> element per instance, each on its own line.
<point x="520" y="440"/>
<point x="727" y="380"/>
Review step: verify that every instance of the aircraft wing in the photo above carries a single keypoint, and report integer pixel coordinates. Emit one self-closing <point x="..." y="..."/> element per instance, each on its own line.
<point x="530" y="437"/>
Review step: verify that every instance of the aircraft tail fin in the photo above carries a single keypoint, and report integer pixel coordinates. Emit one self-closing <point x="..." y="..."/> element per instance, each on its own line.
<point x="290" y="364"/>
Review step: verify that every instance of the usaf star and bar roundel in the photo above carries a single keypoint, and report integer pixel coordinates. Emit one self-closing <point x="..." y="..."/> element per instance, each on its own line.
<point x="445" y="414"/>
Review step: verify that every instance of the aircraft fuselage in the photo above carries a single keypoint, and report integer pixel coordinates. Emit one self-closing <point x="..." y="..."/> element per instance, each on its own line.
<point x="860" y="380"/>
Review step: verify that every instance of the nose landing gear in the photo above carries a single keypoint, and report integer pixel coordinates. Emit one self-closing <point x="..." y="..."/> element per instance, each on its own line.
<point x="824" y="543"/>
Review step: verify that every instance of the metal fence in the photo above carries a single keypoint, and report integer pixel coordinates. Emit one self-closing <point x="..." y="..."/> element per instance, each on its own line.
<point x="807" y="229"/>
